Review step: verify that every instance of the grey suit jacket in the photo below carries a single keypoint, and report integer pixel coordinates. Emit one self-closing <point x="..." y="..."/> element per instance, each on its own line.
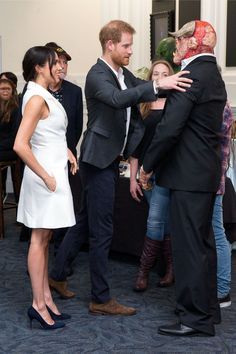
<point x="106" y="103"/>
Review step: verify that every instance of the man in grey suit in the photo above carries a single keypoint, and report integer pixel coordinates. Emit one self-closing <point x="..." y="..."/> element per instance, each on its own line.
<point x="114" y="129"/>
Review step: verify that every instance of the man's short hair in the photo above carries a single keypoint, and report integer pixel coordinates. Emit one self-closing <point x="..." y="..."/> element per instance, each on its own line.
<point x="113" y="31"/>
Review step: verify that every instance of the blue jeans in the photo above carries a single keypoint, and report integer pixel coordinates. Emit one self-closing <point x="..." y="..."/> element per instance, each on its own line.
<point x="158" y="215"/>
<point x="222" y="249"/>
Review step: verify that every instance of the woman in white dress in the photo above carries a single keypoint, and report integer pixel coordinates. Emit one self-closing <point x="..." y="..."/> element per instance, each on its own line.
<point x="45" y="198"/>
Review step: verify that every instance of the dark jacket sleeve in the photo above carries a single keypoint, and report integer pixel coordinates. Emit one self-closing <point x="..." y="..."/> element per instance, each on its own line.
<point x="100" y="86"/>
<point x="79" y="115"/>
<point x="169" y="130"/>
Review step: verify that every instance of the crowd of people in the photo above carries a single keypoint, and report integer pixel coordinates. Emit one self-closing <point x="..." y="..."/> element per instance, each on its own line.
<point x="174" y="129"/>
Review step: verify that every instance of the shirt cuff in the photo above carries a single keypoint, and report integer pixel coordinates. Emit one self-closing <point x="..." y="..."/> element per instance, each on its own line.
<point x="155" y="87"/>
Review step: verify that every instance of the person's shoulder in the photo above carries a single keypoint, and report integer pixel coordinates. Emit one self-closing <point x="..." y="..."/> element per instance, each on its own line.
<point x="35" y="89"/>
<point x="71" y="89"/>
<point x="100" y="67"/>
<point x="34" y="103"/>
<point x="36" y="99"/>
<point x="127" y="71"/>
<point x="200" y="69"/>
<point x="202" y="63"/>
<point x="99" y="72"/>
<point x="33" y="95"/>
<point x="70" y="85"/>
<point x="131" y="77"/>
<point x="97" y="66"/>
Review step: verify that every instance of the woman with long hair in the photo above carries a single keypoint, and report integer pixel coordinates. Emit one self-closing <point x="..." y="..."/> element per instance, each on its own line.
<point x="8" y="124"/>
<point x="157" y="239"/>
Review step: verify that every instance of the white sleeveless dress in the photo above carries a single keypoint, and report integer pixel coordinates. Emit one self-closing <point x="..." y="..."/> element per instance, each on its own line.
<point x="38" y="206"/>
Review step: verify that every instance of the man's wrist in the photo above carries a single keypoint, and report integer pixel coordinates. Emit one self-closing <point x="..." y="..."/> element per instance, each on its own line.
<point x="157" y="85"/>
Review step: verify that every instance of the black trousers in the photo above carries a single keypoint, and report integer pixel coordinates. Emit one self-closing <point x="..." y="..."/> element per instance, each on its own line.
<point x="95" y="219"/>
<point x="194" y="255"/>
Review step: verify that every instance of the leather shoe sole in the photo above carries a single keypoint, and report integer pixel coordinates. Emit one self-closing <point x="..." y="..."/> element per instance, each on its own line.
<point x="179" y="329"/>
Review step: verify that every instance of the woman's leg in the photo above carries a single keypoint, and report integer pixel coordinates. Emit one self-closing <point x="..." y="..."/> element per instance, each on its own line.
<point x="168" y="278"/>
<point x="47" y="292"/>
<point x="156" y="226"/>
<point x="37" y="262"/>
<point x="158" y="215"/>
<point x="159" y="228"/>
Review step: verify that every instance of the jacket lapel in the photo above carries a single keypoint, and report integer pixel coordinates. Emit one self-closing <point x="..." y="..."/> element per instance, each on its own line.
<point x="109" y="71"/>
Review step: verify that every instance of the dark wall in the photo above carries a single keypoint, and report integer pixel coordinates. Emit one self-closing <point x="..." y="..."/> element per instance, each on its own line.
<point x="162" y="5"/>
<point x="188" y="9"/>
<point x="191" y="10"/>
<point x="231" y="31"/>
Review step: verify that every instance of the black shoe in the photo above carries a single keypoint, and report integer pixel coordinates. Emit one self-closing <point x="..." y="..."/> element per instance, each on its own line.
<point x="225" y="301"/>
<point x="34" y="315"/>
<point x="179" y="329"/>
<point x="56" y="317"/>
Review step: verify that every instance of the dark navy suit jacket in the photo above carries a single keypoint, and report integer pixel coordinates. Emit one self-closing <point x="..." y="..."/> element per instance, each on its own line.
<point x="107" y="115"/>
<point x="185" y="150"/>
<point x="73" y="105"/>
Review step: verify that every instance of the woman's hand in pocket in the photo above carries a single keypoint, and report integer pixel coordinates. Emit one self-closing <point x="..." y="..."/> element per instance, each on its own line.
<point x="51" y="183"/>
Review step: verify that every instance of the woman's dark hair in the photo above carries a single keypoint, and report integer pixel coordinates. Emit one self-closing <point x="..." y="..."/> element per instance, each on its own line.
<point x="7" y="107"/>
<point x="34" y="56"/>
<point x="10" y="76"/>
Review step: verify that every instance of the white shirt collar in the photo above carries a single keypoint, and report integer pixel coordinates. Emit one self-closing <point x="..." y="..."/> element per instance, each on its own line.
<point x="118" y="73"/>
<point x="187" y="61"/>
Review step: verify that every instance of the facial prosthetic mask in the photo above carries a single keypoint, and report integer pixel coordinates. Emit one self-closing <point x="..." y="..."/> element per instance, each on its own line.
<point x="194" y="38"/>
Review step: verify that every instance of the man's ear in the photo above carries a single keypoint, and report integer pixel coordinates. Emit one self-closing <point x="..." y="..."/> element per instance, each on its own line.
<point x="109" y="45"/>
<point x="192" y="43"/>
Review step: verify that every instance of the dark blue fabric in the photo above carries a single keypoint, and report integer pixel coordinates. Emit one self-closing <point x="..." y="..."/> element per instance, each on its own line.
<point x="95" y="219"/>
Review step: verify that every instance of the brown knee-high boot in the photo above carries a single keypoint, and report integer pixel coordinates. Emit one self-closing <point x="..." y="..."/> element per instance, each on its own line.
<point x="147" y="261"/>
<point x="168" y="278"/>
